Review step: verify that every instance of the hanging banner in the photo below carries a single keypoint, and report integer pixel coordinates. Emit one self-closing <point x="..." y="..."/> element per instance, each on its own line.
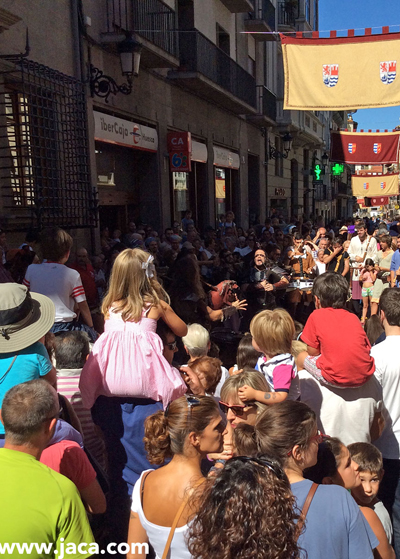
<point x="375" y="185"/>
<point x="341" y="73"/>
<point x="365" y="148"/>
<point x="380" y="201"/>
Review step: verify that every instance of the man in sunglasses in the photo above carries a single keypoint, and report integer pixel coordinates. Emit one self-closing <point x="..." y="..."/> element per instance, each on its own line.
<point x="264" y="282"/>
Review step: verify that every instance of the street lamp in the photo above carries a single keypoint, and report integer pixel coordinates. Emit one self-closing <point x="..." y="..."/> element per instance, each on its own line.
<point x="325" y="159"/>
<point x="287" y="146"/>
<point x="130" y="52"/>
<point x="103" y="86"/>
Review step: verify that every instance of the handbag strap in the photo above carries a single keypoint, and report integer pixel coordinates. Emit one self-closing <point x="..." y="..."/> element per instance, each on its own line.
<point x="178" y="515"/>
<point x="304" y="510"/>
<point x="8" y="370"/>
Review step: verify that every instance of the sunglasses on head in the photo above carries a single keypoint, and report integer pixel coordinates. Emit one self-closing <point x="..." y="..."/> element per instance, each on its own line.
<point x="237" y="409"/>
<point x="262" y="462"/>
<point x="191" y="402"/>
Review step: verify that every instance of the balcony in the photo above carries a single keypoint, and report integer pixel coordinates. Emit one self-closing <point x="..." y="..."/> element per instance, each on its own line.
<point x="154" y="24"/>
<point x="238" y="6"/>
<point x="288" y="12"/>
<point x="262" y="21"/>
<point x="266" y="108"/>
<point x="211" y="73"/>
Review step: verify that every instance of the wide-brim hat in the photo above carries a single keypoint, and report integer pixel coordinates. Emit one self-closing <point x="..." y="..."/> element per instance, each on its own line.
<point x="24" y="317"/>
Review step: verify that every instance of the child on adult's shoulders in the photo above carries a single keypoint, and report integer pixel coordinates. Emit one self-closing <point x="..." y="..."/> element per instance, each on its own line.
<point x="273" y="333"/>
<point x="338" y="350"/>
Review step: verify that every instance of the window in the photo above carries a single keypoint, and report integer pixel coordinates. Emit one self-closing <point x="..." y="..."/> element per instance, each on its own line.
<point x="44" y="153"/>
<point x="251" y="66"/>
<point x="223" y="40"/>
<point x="20" y="190"/>
<point x="315" y="26"/>
<point x="307" y="11"/>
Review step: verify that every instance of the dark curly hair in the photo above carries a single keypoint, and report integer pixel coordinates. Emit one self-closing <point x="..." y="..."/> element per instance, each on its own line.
<point x="246" y="513"/>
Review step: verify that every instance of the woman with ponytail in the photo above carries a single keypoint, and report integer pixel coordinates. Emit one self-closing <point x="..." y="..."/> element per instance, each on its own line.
<point x="190" y="428"/>
<point x="334" y="526"/>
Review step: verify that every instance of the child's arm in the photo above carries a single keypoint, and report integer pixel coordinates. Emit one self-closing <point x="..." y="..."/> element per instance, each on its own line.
<point x="247" y="394"/>
<point x="313" y="351"/>
<point x="176" y="324"/>
<point x="85" y="312"/>
<point x="384" y="549"/>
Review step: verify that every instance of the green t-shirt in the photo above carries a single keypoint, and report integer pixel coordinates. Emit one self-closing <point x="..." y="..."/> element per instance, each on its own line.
<point x="40" y="506"/>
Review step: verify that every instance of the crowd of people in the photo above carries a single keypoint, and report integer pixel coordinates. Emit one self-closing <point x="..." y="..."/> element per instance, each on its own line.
<point x="228" y="393"/>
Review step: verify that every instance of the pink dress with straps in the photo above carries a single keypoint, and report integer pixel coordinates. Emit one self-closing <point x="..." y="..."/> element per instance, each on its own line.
<point x="127" y="360"/>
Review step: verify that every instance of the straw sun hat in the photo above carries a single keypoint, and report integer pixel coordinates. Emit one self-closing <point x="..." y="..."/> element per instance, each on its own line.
<point x="24" y="317"/>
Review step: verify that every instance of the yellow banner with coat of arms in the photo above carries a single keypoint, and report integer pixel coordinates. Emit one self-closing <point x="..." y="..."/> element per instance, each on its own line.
<point x="375" y="185"/>
<point x="341" y="73"/>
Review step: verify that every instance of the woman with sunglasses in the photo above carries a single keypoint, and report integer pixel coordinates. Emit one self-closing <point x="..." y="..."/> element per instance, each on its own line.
<point x="189" y="429"/>
<point x="235" y="409"/>
<point x="253" y="489"/>
<point x="334" y="525"/>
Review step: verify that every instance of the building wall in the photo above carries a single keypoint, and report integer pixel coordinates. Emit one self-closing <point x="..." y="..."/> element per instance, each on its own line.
<point x="50" y="32"/>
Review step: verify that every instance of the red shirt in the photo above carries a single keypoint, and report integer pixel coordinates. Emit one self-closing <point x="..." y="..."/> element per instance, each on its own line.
<point x="67" y="458"/>
<point x="345" y="350"/>
<point x="88" y="282"/>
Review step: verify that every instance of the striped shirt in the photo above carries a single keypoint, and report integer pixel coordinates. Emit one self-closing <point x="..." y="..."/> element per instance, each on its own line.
<point x="68" y="386"/>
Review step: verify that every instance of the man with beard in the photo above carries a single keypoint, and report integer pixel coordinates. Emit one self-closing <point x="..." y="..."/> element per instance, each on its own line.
<point x="264" y="283"/>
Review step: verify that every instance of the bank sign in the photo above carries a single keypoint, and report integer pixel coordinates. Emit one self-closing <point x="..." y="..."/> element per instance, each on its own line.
<point x="123" y="132"/>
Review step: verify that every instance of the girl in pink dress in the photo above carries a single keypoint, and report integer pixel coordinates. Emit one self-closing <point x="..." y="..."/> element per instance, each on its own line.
<point x="127" y="359"/>
<point x="126" y="377"/>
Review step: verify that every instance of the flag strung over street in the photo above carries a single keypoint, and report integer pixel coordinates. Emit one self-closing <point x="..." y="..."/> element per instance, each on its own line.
<point x="371" y="186"/>
<point x="365" y="148"/>
<point x="341" y="73"/>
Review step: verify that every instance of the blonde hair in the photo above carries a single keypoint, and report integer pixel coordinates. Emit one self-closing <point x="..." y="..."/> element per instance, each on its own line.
<point x="196" y="340"/>
<point x="251" y="378"/>
<point x="273" y="331"/>
<point x="130" y="289"/>
<point x="298" y="347"/>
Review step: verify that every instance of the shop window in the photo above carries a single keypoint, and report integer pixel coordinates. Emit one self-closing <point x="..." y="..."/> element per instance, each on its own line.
<point x="220" y="190"/>
<point x="180" y="193"/>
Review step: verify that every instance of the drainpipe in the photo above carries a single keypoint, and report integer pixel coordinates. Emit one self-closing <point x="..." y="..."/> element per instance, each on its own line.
<point x="76" y="39"/>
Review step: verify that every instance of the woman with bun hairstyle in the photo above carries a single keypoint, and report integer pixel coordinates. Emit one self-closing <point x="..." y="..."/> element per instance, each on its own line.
<point x="334" y="525"/>
<point x="189" y="429"/>
<point x="248" y="511"/>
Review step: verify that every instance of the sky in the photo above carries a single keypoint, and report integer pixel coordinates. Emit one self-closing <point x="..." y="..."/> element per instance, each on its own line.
<point x="352" y="14"/>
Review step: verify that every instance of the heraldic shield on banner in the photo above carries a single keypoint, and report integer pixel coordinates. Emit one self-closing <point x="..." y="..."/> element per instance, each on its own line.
<point x="372" y="148"/>
<point x="330" y="74"/>
<point x="388" y="71"/>
<point x="375" y="185"/>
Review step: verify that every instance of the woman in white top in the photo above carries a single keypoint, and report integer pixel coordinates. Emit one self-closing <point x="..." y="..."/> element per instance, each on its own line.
<point x="190" y="428"/>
